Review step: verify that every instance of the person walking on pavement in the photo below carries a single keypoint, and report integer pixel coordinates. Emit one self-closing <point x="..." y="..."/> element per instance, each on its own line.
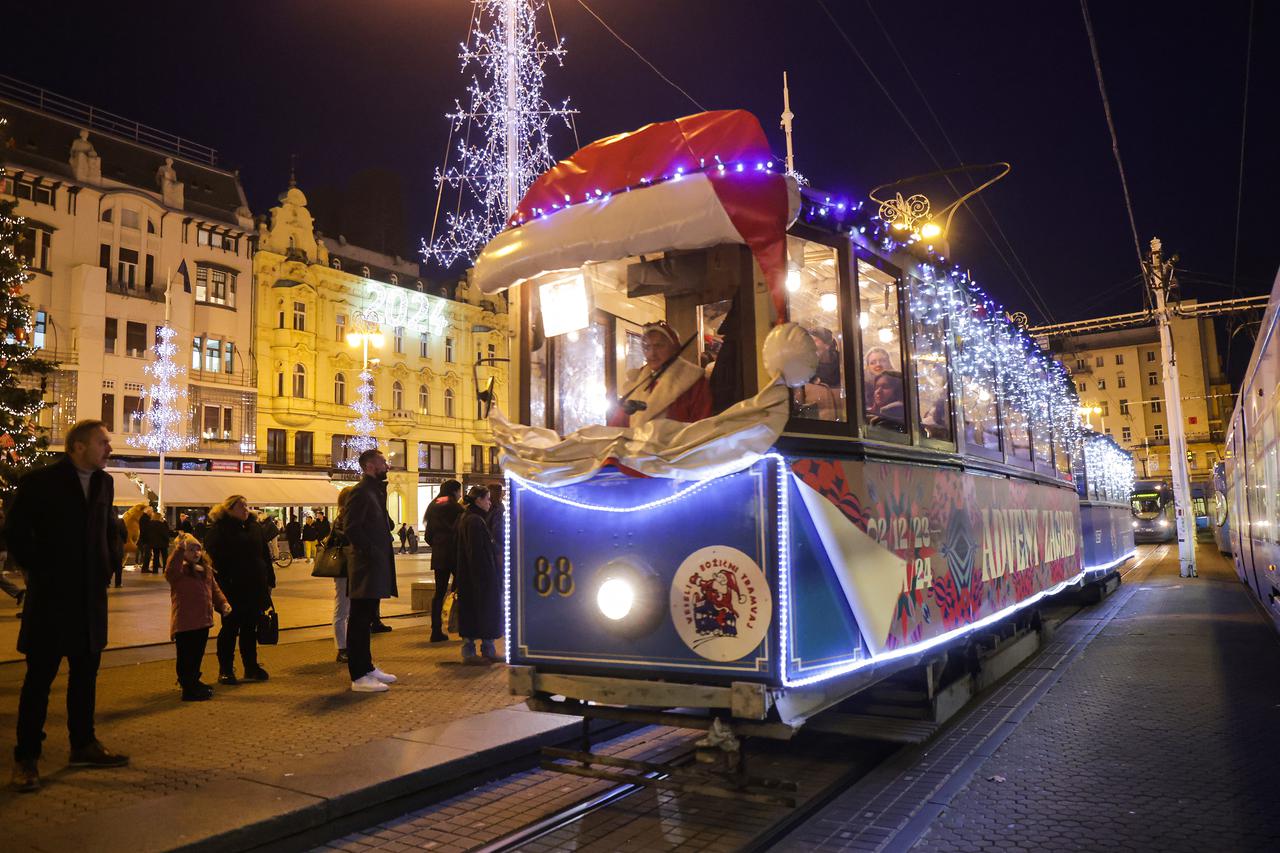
<point x="341" y="601"/>
<point x="323" y="528"/>
<point x="309" y="533"/>
<point x="371" y="569"/>
<point x="193" y="595"/>
<point x="479" y="580"/>
<point x="293" y="535"/>
<point x="158" y="536"/>
<point x="403" y="533"/>
<point x="184" y="524"/>
<point x="68" y="554"/>
<point x="243" y="569"/>
<point x="441" y="521"/>
<point x="142" y="551"/>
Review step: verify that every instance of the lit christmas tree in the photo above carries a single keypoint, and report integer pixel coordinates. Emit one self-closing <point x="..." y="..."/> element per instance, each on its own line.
<point x="22" y="444"/>
<point x="363" y="423"/>
<point x="508" y="116"/>
<point x="164" y="417"/>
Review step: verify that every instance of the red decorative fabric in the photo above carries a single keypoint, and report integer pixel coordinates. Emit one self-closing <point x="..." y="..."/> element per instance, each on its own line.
<point x="755" y="200"/>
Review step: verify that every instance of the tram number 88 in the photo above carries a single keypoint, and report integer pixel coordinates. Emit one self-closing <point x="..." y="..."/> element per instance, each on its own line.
<point x="549" y="577"/>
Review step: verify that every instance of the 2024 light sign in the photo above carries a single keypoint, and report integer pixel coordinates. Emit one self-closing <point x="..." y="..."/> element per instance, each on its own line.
<point x="396" y="306"/>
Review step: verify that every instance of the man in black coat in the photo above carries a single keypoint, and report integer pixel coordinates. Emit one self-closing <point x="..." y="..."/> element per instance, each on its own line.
<point x="371" y="569"/>
<point x="61" y="531"/>
<point x="144" y="537"/>
<point x="246" y="575"/>
<point x="441" y="522"/>
<point x="158" y="536"/>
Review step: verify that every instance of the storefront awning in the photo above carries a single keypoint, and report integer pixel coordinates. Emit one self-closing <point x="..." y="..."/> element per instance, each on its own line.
<point x="208" y="488"/>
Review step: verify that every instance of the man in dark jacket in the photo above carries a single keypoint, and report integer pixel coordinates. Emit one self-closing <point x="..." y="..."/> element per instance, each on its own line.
<point x="323" y="528"/>
<point x="158" y="536"/>
<point x="143" y="549"/>
<point x="371" y="569"/>
<point x="68" y="554"/>
<point x="441" y="521"/>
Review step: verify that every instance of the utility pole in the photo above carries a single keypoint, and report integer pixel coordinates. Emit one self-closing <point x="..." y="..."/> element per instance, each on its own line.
<point x="787" y="116"/>
<point x="1161" y="282"/>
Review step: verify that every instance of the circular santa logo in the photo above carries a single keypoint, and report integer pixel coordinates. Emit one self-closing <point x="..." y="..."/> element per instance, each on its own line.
<point x="720" y="603"/>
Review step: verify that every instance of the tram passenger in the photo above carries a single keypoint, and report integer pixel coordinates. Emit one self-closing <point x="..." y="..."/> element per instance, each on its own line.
<point x="680" y="393"/>
<point x="877" y="361"/>
<point x="886" y="402"/>
<point x="821" y="398"/>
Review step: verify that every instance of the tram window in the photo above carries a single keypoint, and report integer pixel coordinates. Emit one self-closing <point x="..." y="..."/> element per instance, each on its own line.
<point x="929" y="356"/>
<point x="1271" y="475"/>
<point x="814" y="301"/>
<point x="1040" y="437"/>
<point x="1017" y="432"/>
<point x="883" y="397"/>
<point x="1061" y="455"/>
<point x="582" y="397"/>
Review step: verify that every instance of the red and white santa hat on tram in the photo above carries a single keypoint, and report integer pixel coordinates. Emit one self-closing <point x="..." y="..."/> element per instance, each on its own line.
<point x="691" y="183"/>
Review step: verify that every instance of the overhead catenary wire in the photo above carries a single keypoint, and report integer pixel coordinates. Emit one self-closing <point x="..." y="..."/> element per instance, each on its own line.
<point x="555" y="33"/>
<point x="1031" y="294"/>
<point x="1037" y="300"/>
<point x="1244" y="119"/>
<point x="641" y="56"/>
<point x="435" y="219"/>
<point x="1115" y="142"/>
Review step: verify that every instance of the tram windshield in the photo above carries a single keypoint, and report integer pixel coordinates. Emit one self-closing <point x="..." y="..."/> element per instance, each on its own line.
<point x="1146" y="506"/>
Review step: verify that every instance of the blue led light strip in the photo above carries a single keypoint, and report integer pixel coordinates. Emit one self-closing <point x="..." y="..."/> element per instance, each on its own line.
<point x="669" y="499"/>
<point x="954" y="634"/>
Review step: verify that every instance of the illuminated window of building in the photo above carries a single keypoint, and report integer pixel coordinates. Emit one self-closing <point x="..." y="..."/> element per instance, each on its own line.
<point x="299" y="381"/>
<point x="340" y="389"/>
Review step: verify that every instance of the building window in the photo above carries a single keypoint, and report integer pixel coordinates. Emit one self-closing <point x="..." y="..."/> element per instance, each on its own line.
<point x="128" y="218"/>
<point x="135" y="339"/>
<point x="1153" y="379"/>
<point x="424" y="400"/>
<point x="1151" y="355"/>
<point x="422" y="345"/>
<point x="39" y="328"/>
<point x="34" y="246"/>
<point x="397" y="396"/>
<point x="109" y="332"/>
<point x="1156" y="407"/>
<point x="105" y="215"/>
<point x="276" y="447"/>
<point x="1079" y="364"/>
<point x="216" y="423"/>
<point x="1119" y="358"/>
<point x="149" y="272"/>
<point x="213" y="355"/>
<point x="215" y="286"/>
<point x="1102" y="384"/>
<point x="448" y="402"/>
<point x="303" y="448"/>
<point x="397" y="454"/>
<point x="340" y="389"/>
<point x="1097" y="362"/>
<point x="1106" y="409"/>
<point x="493" y="460"/>
<point x="228" y="363"/>
<point x="109" y="411"/>
<point x="1124" y="407"/>
<point x="280" y="384"/>
<point x="197" y="351"/>
<point x="477" y="459"/>
<point x="133" y="414"/>
<point x="434" y="456"/>
<point x="1158" y="431"/>
<point x="104" y="259"/>
<point x="340" y="328"/>
<point x="299" y="316"/>
<point x="397" y="335"/>
<point x="127" y="268"/>
<point x="1120" y="383"/>
<point x="299" y="381"/>
<point x="448" y="349"/>
<point x="1126" y="434"/>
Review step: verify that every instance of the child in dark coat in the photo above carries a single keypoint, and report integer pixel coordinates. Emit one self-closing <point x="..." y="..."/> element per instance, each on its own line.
<point x="193" y="594"/>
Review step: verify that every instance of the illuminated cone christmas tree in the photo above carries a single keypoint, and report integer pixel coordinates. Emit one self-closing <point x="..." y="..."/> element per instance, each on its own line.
<point x="363" y="423"/>
<point x="22" y="444"/>
<point x="164" y="432"/>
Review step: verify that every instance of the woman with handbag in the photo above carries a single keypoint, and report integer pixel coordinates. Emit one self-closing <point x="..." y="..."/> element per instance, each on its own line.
<point x="479" y="582"/>
<point x="242" y="564"/>
<point x="331" y="562"/>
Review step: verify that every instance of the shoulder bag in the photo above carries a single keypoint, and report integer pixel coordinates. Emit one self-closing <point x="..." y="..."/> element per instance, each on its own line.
<point x="269" y="626"/>
<point x="331" y="562"/>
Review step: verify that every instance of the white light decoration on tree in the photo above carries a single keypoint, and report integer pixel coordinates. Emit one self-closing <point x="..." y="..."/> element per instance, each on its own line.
<point x="164" y="417"/>
<point x="1108" y="468"/>
<point x="363" y="423"/>
<point x="502" y="130"/>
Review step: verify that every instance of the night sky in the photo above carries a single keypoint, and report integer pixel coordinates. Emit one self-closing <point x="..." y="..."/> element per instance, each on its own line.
<point x="352" y="86"/>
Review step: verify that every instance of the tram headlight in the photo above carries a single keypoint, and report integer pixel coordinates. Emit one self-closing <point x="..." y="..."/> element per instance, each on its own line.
<point x="628" y="596"/>
<point x="1164" y="522"/>
<point x="615" y="598"/>
<point x="1135" y="525"/>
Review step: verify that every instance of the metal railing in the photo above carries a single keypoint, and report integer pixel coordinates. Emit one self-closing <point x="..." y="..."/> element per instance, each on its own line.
<point x="107" y="122"/>
<point x="136" y="290"/>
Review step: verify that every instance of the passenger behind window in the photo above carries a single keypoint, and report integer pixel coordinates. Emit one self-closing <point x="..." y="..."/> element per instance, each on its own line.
<point x="878" y="361"/>
<point x="886" y="409"/>
<point x="667" y="387"/>
<point x="823" y="398"/>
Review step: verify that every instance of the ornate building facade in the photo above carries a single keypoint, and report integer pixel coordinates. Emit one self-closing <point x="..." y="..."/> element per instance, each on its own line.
<point x="116" y="213"/>
<point x="311" y="299"/>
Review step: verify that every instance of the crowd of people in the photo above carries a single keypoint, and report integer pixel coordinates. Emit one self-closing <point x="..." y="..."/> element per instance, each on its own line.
<point x="220" y="566"/>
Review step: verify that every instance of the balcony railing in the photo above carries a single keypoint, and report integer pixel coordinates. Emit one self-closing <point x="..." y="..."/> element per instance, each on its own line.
<point x="138" y="291"/>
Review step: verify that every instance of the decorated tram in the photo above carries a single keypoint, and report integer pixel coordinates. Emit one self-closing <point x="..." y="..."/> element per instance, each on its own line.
<point x="765" y="446"/>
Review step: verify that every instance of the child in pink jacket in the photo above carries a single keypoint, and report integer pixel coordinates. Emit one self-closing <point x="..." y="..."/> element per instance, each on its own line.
<point x="193" y="593"/>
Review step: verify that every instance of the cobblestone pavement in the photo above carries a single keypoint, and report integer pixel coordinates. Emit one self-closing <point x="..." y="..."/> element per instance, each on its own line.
<point x="139" y="610"/>
<point x="305" y="709"/>
<point x="1159" y="737"/>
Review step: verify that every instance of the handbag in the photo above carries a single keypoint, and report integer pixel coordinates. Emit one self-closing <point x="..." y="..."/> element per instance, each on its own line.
<point x="269" y="626"/>
<point x="451" y="608"/>
<point x="331" y="562"/>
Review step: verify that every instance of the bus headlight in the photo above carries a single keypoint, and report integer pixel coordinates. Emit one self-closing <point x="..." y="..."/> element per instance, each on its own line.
<point x="615" y="598"/>
<point x="628" y="596"/>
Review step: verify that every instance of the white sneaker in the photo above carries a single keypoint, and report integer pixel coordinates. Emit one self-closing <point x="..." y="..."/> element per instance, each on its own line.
<point x="384" y="677"/>
<point x="368" y="684"/>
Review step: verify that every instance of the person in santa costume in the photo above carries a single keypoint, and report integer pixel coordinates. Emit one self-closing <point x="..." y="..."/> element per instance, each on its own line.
<point x="669" y="386"/>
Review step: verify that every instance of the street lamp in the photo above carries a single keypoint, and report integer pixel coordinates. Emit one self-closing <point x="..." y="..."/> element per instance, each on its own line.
<point x="1087" y="411"/>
